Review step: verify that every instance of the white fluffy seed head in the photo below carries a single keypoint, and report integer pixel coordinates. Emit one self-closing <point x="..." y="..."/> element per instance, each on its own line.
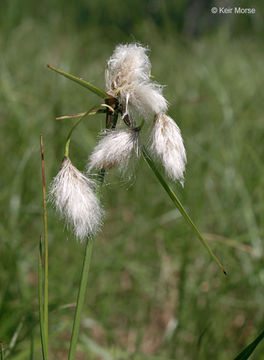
<point x="167" y="143"/>
<point x="128" y="78"/>
<point x="115" y="148"/>
<point x="74" y="198"/>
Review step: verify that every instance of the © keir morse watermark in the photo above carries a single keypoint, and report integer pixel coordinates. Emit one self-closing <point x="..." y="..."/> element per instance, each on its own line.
<point x="233" y="10"/>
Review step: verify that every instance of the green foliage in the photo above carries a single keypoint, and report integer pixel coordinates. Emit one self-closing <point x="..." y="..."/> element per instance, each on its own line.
<point x="152" y="291"/>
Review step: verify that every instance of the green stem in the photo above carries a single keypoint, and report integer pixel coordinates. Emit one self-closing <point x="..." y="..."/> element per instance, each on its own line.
<point x="46" y="261"/>
<point x="111" y="119"/>
<point x="179" y="205"/>
<point x="40" y="294"/>
<point x="83" y="285"/>
<point x="81" y="82"/>
<point x="81" y="297"/>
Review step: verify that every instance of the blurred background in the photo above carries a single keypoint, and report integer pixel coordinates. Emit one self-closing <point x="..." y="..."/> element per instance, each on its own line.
<point x="153" y="292"/>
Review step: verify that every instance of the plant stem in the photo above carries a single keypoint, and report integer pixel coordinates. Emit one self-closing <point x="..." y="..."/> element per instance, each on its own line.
<point x="81" y="297"/>
<point x="111" y="119"/>
<point x="83" y="284"/>
<point x="81" y="82"/>
<point x="179" y="205"/>
<point x="40" y="293"/>
<point x="46" y="284"/>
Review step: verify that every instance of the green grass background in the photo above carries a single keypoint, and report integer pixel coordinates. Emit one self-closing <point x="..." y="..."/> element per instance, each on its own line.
<point x="153" y="292"/>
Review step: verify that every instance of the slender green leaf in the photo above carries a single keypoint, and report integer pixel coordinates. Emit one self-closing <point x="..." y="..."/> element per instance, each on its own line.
<point x="179" y="205"/>
<point x="95" y="348"/>
<point x="14" y="338"/>
<point x="40" y="293"/>
<point x="81" y="297"/>
<point x="81" y="82"/>
<point x="245" y="354"/>
<point x="45" y="222"/>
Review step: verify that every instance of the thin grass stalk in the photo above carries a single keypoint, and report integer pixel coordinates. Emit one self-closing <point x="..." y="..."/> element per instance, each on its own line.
<point x="14" y="338"/>
<point x="40" y="294"/>
<point x="179" y="205"/>
<point x="81" y="82"/>
<point x="72" y="116"/>
<point x="111" y="119"/>
<point x="246" y="353"/>
<point x="46" y="261"/>
<point x="83" y="283"/>
<point x="81" y="297"/>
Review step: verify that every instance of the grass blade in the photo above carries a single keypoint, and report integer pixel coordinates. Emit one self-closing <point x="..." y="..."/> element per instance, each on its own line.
<point x="80" y="299"/>
<point x="179" y="205"/>
<point x="14" y="338"/>
<point x="40" y="294"/>
<point x="245" y="354"/>
<point x="46" y="284"/>
<point x="81" y="82"/>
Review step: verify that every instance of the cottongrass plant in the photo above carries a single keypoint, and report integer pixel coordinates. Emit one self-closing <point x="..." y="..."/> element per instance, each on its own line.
<point x="130" y="95"/>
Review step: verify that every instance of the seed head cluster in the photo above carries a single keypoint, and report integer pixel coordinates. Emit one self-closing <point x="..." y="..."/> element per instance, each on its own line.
<point x="128" y="81"/>
<point x="128" y="77"/>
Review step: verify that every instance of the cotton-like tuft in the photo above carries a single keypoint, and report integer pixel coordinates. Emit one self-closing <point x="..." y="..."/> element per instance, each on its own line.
<point x="74" y="198"/>
<point x="115" y="148"/>
<point x="128" y="78"/>
<point x="167" y="143"/>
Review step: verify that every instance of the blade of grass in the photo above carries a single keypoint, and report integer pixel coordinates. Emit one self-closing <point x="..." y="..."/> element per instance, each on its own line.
<point x="40" y="294"/>
<point x="179" y="205"/>
<point x="245" y="354"/>
<point x="81" y="297"/>
<point x="14" y="338"/>
<point x="46" y="262"/>
<point x="81" y="82"/>
<point x="95" y="348"/>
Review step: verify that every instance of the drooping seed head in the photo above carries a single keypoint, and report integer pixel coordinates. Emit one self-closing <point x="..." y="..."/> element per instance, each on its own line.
<point x="74" y="198"/>
<point x="115" y="148"/>
<point x="167" y="143"/>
